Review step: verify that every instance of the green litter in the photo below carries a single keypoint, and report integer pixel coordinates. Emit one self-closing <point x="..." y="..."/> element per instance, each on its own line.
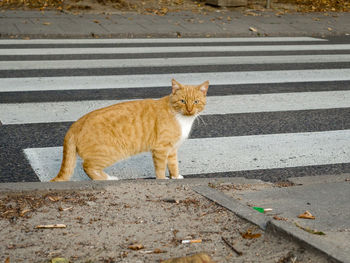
<point x="262" y="210"/>
<point x="259" y="209"/>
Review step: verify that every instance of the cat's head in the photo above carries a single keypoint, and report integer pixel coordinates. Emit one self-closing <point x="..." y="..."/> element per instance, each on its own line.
<point x="188" y="100"/>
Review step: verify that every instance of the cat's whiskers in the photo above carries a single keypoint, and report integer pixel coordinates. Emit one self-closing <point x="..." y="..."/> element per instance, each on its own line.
<point x="201" y="119"/>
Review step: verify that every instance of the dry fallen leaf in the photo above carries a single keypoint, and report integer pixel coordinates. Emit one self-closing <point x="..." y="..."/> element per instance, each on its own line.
<point x="249" y="235"/>
<point x="198" y="258"/>
<point x="280" y="218"/>
<point x="23" y="212"/>
<point x="306" y="215"/>
<point x="311" y="231"/>
<point x="253" y="29"/>
<point x="51" y="226"/>
<point x="46" y="23"/>
<point x="65" y="209"/>
<point x="136" y="246"/>
<point x="170" y="200"/>
<point x="54" y="198"/>
<point x="155" y="251"/>
<point x="250" y="14"/>
<point x="7" y="260"/>
<point x="158" y="251"/>
<point x="279" y="14"/>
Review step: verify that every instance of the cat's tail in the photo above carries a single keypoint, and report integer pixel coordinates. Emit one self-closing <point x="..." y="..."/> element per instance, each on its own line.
<point x="69" y="158"/>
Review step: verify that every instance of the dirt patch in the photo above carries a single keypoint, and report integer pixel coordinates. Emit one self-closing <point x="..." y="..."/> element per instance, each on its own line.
<point x="162" y="7"/>
<point x="13" y="207"/>
<point x="103" y="226"/>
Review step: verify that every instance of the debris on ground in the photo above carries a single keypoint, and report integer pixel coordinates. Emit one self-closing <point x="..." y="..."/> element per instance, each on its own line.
<point x="290" y="257"/>
<point x="190" y="241"/>
<point x="168" y="200"/>
<point x="250" y="235"/>
<point x="163" y="7"/>
<point x="136" y="246"/>
<point x="59" y="260"/>
<point x="262" y="210"/>
<point x="323" y="5"/>
<point x="280" y="218"/>
<point x="306" y="215"/>
<point x="51" y="226"/>
<point x="13" y="207"/>
<point x="253" y="29"/>
<point x="101" y="224"/>
<point x="239" y="253"/>
<point x="311" y="231"/>
<point x="197" y="258"/>
<point x="155" y="251"/>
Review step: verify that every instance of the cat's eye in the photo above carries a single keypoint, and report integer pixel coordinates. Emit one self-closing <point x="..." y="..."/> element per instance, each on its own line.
<point x="183" y="101"/>
<point x="196" y="102"/>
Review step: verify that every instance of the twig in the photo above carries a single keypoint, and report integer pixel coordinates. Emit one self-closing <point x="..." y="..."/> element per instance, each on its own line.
<point x="239" y="253"/>
<point x="51" y="226"/>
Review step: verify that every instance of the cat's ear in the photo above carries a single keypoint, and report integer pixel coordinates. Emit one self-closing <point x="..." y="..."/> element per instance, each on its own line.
<point x="204" y="87"/>
<point x="175" y="85"/>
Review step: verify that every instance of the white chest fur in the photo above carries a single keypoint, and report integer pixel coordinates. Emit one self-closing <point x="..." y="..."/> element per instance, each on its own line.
<point x="185" y="123"/>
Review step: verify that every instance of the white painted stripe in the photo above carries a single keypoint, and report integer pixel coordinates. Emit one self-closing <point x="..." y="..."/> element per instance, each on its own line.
<point x="214" y="155"/>
<point x="173" y="49"/>
<point x="20" y="113"/>
<point x="163" y="80"/>
<point x="168" y="62"/>
<point x="155" y="40"/>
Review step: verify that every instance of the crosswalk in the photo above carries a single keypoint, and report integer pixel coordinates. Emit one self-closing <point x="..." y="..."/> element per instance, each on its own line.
<point x="277" y="107"/>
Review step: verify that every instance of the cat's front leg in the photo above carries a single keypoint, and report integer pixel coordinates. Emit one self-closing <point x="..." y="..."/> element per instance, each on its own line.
<point x="159" y="161"/>
<point x="173" y="165"/>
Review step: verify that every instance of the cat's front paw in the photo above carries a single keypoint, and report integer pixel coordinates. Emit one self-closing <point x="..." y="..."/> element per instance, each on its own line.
<point x="178" y="177"/>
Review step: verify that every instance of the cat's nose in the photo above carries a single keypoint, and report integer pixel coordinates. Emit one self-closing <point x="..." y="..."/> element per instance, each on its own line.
<point x="189" y="108"/>
<point x="191" y="111"/>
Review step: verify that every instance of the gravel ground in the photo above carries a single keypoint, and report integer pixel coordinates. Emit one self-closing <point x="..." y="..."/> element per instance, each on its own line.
<point x="101" y="226"/>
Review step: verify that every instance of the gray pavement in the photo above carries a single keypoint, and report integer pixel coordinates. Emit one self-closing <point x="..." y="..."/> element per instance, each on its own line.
<point x="51" y="24"/>
<point x="325" y="197"/>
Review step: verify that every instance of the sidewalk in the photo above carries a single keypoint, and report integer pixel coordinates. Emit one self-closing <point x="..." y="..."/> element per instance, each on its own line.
<point x="325" y="197"/>
<point x="102" y="219"/>
<point x="50" y="24"/>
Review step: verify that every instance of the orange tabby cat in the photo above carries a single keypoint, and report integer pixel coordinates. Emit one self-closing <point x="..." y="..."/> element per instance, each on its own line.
<point x="110" y="134"/>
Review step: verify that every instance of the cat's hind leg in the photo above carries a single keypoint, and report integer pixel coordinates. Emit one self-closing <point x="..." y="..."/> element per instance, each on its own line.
<point x="94" y="170"/>
<point x="160" y="161"/>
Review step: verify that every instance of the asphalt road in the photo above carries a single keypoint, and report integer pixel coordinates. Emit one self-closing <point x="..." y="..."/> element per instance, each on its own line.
<point x="276" y="109"/>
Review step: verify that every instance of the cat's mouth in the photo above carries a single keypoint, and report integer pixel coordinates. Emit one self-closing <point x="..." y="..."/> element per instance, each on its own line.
<point x="189" y="113"/>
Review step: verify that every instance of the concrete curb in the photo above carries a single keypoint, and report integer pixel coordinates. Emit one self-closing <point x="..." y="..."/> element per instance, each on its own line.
<point x="288" y="230"/>
<point x="16" y="188"/>
<point x="232" y="205"/>
<point x="284" y="229"/>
